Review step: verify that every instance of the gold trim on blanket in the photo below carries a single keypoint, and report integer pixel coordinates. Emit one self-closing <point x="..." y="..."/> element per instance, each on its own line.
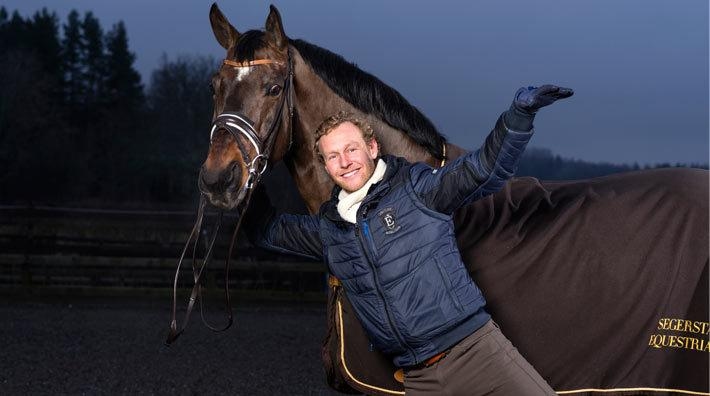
<point x="345" y="366"/>
<point x="687" y="392"/>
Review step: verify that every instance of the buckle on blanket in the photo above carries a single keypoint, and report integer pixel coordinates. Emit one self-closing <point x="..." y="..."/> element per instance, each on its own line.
<point x="333" y="281"/>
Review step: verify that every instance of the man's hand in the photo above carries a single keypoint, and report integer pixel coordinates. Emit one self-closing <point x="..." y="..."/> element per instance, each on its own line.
<point x="528" y="100"/>
<point x="531" y="99"/>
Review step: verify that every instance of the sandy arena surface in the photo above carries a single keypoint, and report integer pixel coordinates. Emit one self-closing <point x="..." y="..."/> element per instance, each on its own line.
<point x="115" y="347"/>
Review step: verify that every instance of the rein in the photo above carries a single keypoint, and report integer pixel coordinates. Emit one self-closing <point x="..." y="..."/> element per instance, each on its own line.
<point x="237" y="125"/>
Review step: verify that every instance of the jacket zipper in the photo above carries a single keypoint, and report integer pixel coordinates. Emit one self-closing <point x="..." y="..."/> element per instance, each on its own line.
<point x="370" y="261"/>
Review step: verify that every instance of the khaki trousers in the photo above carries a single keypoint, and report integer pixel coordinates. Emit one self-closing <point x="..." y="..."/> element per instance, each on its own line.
<point x="484" y="363"/>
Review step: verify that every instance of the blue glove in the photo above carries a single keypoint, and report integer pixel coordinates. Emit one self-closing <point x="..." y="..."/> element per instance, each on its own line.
<point x="531" y="99"/>
<point x="528" y="100"/>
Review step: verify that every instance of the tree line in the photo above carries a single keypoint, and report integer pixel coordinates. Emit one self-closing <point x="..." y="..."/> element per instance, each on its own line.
<point x="79" y="127"/>
<point x="545" y="165"/>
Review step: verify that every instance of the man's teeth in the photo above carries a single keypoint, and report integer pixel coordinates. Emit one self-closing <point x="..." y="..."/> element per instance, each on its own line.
<point x="349" y="173"/>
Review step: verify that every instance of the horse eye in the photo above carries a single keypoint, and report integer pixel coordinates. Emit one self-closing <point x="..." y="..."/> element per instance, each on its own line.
<point x="275" y="90"/>
<point x="210" y="86"/>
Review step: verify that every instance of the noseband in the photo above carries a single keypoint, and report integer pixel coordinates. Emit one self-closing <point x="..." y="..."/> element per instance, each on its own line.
<point x="237" y="125"/>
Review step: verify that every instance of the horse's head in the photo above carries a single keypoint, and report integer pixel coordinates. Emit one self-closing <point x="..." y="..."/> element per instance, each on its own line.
<point x="252" y="107"/>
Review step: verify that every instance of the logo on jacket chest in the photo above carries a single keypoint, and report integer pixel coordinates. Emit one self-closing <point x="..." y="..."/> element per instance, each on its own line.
<point x="389" y="220"/>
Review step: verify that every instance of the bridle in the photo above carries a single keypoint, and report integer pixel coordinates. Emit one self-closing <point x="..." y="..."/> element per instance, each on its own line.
<point x="237" y="125"/>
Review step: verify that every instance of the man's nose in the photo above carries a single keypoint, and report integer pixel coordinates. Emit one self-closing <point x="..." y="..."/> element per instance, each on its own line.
<point x="344" y="161"/>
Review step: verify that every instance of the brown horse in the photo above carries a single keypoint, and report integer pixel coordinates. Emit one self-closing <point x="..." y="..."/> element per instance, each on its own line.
<point x="323" y="84"/>
<point x="602" y="284"/>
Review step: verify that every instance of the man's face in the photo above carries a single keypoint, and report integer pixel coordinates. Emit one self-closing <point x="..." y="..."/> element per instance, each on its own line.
<point x="349" y="160"/>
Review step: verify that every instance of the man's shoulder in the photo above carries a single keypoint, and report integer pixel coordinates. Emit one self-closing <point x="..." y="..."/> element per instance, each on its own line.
<point x="395" y="166"/>
<point x="395" y="161"/>
<point x="329" y="206"/>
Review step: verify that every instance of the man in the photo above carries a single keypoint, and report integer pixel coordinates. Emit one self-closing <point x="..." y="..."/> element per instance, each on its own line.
<point x="387" y="234"/>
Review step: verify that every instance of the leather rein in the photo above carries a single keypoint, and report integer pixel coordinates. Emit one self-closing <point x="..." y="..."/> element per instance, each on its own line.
<point x="238" y="125"/>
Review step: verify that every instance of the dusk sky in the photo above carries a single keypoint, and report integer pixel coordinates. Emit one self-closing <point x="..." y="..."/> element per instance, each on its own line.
<point x="639" y="68"/>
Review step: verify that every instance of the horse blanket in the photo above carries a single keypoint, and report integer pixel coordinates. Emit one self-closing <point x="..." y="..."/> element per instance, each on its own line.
<point x="602" y="284"/>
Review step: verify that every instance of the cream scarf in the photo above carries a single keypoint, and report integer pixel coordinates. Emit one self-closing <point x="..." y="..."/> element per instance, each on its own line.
<point x="348" y="203"/>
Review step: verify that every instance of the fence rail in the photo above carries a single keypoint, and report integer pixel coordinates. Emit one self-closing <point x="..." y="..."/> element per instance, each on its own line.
<point x="73" y="250"/>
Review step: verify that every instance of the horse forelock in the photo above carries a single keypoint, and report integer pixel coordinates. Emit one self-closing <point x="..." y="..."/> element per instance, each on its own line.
<point x="370" y="95"/>
<point x="247" y="45"/>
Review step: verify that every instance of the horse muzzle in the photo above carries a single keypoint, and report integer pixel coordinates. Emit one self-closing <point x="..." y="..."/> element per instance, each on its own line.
<point x="223" y="188"/>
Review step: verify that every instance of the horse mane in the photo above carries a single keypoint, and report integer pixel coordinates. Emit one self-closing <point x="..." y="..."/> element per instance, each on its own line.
<point x="359" y="88"/>
<point x="370" y="95"/>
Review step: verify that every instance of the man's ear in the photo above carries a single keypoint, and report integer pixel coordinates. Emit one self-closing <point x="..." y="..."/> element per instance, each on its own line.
<point x="373" y="148"/>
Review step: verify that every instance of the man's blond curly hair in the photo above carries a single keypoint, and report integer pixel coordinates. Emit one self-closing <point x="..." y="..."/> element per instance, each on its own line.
<point x="334" y="121"/>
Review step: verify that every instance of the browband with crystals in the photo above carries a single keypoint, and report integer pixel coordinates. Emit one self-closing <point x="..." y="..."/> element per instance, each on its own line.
<point x="251" y="63"/>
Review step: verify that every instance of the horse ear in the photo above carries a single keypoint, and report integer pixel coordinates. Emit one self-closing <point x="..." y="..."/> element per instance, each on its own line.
<point x="275" y="29"/>
<point x="224" y="32"/>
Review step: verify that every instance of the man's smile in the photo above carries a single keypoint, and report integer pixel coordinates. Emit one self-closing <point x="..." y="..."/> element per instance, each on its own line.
<point x="349" y="174"/>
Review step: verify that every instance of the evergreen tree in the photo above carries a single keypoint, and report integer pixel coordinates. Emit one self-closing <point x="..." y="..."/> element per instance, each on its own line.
<point x="72" y="66"/>
<point x="181" y="107"/>
<point x="92" y="60"/>
<point x="123" y="83"/>
<point x="30" y="94"/>
<point x="4" y="27"/>
<point x="123" y="116"/>
<point x="43" y="40"/>
<point x="13" y="33"/>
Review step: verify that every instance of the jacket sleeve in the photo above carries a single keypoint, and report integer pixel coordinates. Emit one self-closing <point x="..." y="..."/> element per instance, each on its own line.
<point x="474" y="175"/>
<point x="282" y="232"/>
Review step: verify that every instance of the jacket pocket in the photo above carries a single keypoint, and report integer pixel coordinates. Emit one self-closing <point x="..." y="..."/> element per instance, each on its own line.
<point x="449" y="284"/>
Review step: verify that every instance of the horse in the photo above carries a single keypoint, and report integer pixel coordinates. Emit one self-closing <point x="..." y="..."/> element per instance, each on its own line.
<point x="602" y="284"/>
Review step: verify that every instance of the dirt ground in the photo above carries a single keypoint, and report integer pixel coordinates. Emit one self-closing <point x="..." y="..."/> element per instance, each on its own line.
<point x="115" y="346"/>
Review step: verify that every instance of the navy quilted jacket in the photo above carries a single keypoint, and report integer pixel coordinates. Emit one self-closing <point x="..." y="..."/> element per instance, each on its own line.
<point x="399" y="265"/>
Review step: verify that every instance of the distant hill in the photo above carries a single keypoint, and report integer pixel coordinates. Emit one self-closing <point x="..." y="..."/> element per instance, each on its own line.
<point x="543" y="164"/>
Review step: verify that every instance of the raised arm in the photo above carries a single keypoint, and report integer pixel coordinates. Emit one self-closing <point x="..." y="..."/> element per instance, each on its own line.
<point x="485" y="171"/>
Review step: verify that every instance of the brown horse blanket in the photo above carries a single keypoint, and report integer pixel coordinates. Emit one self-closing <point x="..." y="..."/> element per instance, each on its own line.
<point x="602" y="285"/>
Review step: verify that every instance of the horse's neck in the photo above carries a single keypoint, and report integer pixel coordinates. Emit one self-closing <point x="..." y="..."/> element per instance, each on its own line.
<point x="314" y="102"/>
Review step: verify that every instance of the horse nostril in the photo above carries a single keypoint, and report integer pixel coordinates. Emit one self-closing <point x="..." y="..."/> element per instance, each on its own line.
<point x="235" y="172"/>
<point x="218" y="181"/>
<point x="229" y="176"/>
<point x="207" y="178"/>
